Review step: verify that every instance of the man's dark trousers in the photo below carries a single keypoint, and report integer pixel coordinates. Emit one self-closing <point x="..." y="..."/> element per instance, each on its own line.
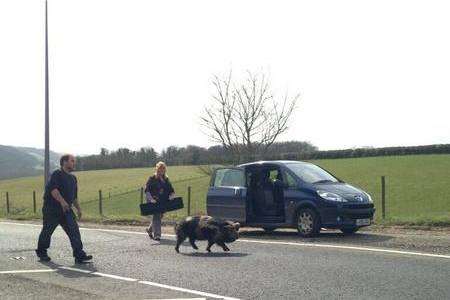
<point x="53" y="217"/>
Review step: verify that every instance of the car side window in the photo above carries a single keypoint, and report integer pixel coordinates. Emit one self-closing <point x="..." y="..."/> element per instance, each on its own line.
<point x="288" y="180"/>
<point x="274" y="174"/>
<point x="229" y="177"/>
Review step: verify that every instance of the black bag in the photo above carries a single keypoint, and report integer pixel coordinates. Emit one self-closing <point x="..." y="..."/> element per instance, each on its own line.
<point x="161" y="206"/>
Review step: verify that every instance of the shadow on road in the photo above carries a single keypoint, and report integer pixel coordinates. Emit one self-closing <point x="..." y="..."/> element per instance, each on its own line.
<point x="324" y="236"/>
<point x="214" y="254"/>
<point x="186" y="244"/>
<point x="71" y="274"/>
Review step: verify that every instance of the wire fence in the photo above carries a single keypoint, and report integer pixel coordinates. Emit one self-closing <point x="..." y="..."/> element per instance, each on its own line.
<point x="414" y="202"/>
<point x="108" y="204"/>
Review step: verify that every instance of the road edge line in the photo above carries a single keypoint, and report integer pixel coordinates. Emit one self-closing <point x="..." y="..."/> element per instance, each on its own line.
<point x="345" y="247"/>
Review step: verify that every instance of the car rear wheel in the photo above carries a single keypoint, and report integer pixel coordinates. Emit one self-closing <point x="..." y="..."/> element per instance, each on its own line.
<point x="349" y="230"/>
<point x="308" y="222"/>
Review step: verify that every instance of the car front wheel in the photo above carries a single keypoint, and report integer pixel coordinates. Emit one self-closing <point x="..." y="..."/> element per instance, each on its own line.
<point x="308" y="223"/>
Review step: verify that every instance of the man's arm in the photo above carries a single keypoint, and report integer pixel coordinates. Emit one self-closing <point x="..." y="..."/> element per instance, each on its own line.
<point x="75" y="201"/>
<point x="57" y="195"/>
<point x="78" y="207"/>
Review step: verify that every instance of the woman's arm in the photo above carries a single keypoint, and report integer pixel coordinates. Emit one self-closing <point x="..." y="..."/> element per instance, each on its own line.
<point x="148" y="191"/>
<point x="149" y="197"/>
<point x="171" y="190"/>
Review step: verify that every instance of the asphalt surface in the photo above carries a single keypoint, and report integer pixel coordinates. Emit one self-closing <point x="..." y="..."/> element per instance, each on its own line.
<point x="256" y="268"/>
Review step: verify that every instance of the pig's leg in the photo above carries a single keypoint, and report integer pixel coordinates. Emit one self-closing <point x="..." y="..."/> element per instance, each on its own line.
<point x="210" y="243"/>
<point x="180" y="239"/>
<point x="192" y="241"/>
<point x="224" y="247"/>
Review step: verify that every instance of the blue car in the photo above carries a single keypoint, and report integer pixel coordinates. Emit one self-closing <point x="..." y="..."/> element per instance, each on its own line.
<point x="288" y="194"/>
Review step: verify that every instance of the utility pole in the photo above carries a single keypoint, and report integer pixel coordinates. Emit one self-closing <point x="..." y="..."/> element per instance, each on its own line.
<point x="47" y="135"/>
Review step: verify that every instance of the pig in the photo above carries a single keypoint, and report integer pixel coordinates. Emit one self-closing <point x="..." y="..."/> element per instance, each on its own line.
<point x="215" y="231"/>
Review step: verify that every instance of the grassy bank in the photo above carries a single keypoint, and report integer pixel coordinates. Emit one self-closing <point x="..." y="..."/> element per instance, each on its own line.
<point x="417" y="193"/>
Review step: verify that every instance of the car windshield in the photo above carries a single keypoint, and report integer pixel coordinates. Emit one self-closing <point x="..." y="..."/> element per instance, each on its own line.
<point x="311" y="173"/>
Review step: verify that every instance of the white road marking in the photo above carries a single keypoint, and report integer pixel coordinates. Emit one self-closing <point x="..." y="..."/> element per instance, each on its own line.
<point x="114" y="276"/>
<point x="76" y="270"/>
<point x="113" y="230"/>
<point x="98" y="274"/>
<point x="155" y="284"/>
<point x="28" y="271"/>
<point x="347" y="247"/>
<point x="380" y="250"/>
<point x="180" y="299"/>
<point x="20" y="224"/>
<point x="164" y="286"/>
<point x="186" y="290"/>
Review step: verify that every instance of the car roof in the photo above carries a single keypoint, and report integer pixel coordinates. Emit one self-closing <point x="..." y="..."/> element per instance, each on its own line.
<point x="272" y="162"/>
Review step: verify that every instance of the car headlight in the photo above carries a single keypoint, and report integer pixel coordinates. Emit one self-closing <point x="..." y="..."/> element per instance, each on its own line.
<point x="331" y="196"/>
<point x="368" y="196"/>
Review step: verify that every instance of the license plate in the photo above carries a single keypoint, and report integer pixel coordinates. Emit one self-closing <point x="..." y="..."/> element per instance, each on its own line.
<point x="362" y="222"/>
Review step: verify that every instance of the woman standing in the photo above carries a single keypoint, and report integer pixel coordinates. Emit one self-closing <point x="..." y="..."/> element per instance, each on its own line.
<point x="158" y="188"/>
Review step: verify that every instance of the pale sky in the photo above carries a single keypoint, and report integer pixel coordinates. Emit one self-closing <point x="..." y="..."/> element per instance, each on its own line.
<point x="137" y="72"/>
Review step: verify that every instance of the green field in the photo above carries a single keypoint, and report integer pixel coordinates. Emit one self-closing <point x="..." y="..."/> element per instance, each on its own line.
<point x="120" y="192"/>
<point x="417" y="189"/>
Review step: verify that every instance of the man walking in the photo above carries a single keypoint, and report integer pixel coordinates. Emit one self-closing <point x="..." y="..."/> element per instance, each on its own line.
<point x="60" y="194"/>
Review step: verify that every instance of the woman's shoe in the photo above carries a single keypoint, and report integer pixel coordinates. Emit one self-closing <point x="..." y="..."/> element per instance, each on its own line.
<point x="150" y="234"/>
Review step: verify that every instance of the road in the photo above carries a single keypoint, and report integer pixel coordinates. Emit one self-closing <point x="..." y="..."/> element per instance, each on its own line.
<point x="129" y="265"/>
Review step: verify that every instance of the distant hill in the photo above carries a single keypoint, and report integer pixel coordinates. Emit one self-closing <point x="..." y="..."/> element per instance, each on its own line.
<point x="24" y="161"/>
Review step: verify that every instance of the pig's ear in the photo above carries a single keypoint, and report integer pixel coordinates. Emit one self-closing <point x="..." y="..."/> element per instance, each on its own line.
<point x="237" y="225"/>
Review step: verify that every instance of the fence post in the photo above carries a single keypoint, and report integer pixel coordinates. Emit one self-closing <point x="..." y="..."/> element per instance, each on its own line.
<point x="383" y="197"/>
<point x="34" y="202"/>
<point x="7" y="203"/>
<point x="100" y="204"/>
<point x="142" y="195"/>
<point x="189" y="201"/>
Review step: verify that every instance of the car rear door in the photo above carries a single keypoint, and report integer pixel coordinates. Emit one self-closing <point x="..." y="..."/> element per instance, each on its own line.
<point x="227" y="195"/>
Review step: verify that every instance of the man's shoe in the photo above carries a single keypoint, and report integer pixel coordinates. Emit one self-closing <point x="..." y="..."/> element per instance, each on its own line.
<point x="43" y="256"/>
<point x="83" y="259"/>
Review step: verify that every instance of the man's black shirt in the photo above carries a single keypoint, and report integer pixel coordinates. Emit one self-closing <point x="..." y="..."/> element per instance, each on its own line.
<point x="65" y="183"/>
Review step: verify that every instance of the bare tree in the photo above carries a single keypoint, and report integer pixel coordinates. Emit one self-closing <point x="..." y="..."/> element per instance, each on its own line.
<point x="245" y="117"/>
